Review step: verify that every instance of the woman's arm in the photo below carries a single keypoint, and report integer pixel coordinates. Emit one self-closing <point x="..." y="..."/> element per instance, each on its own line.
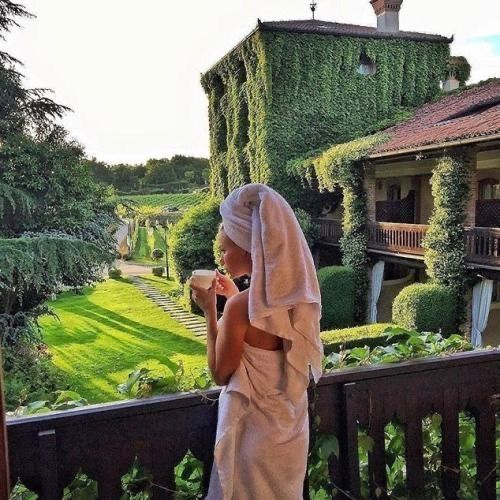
<point x="229" y="341"/>
<point x="224" y="341"/>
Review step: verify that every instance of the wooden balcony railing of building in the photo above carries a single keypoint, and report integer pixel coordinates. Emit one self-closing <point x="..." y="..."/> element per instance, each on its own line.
<point x="330" y="230"/>
<point x="46" y="451"/>
<point x="395" y="237"/>
<point x="482" y="243"/>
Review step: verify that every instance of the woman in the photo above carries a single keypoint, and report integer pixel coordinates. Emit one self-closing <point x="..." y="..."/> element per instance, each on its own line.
<point x="262" y="349"/>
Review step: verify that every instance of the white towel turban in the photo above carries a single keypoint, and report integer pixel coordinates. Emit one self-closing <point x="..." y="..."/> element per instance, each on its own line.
<point x="284" y="293"/>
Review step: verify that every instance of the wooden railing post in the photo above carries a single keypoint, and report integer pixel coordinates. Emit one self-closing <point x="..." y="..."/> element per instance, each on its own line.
<point x="4" y="460"/>
<point x="48" y="464"/>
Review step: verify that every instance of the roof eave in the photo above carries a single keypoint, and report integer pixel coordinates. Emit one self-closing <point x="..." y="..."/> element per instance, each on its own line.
<point x="376" y="35"/>
<point x="430" y="147"/>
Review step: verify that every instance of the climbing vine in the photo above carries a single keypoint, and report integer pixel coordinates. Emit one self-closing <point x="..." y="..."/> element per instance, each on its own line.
<point x="444" y="242"/>
<point x="459" y="67"/>
<point x="341" y="165"/>
<point x="277" y="96"/>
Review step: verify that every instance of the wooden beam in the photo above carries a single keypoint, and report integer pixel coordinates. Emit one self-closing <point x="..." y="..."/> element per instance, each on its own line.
<point x="4" y="460"/>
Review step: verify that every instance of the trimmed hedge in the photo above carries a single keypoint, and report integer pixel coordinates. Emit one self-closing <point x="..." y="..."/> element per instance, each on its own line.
<point x="426" y="308"/>
<point x="115" y="274"/>
<point x="191" y="240"/>
<point x="158" y="271"/>
<point x="337" y="296"/>
<point x="358" y="336"/>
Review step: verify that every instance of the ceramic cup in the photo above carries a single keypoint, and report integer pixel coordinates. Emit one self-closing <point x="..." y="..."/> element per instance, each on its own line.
<point x="203" y="278"/>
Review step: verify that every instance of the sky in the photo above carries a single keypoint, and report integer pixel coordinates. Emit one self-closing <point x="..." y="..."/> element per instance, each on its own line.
<point x="131" y="70"/>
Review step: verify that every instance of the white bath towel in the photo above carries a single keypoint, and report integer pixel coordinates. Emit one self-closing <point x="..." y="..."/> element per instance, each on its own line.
<point x="284" y="296"/>
<point x="262" y="437"/>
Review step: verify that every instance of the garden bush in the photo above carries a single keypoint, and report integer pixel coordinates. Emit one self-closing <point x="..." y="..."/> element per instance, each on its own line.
<point x="358" y="336"/>
<point x="425" y="307"/>
<point x="337" y="296"/>
<point x="157" y="271"/>
<point x="191" y="240"/>
<point x="29" y="375"/>
<point x="157" y="254"/>
<point x="115" y="273"/>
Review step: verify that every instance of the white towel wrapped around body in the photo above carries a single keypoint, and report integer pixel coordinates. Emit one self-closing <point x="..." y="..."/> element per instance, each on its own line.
<point x="263" y="431"/>
<point x="284" y="292"/>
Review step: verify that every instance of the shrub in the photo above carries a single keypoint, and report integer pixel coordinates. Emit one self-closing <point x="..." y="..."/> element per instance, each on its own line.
<point x="309" y="228"/>
<point x="358" y="336"/>
<point x="29" y="375"/>
<point x="191" y="240"/>
<point x="425" y="307"/>
<point x="157" y="271"/>
<point x="157" y="254"/>
<point x="337" y="296"/>
<point x="115" y="273"/>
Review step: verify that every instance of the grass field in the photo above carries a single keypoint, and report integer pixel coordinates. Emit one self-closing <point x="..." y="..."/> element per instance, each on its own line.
<point x="152" y="204"/>
<point x="111" y="330"/>
<point x="145" y="242"/>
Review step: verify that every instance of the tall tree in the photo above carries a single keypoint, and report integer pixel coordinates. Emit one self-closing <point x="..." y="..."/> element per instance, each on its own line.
<point x="54" y="220"/>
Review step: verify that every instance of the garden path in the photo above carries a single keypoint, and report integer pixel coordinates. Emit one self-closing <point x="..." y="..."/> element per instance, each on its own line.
<point x="190" y="321"/>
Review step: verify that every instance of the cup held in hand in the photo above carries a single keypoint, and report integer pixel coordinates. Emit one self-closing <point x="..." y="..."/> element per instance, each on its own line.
<point x="203" y="278"/>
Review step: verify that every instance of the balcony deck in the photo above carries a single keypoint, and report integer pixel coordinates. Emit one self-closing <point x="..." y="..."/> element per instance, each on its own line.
<point x="405" y="240"/>
<point x="46" y="451"/>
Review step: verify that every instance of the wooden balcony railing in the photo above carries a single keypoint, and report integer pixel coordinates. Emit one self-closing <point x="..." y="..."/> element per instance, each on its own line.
<point x="46" y="451"/>
<point x="482" y="243"/>
<point x="395" y="237"/>
<point x="330" y="230"/>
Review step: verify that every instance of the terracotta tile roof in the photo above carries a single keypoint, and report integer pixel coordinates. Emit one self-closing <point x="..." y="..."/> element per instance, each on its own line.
<point x="474" y="112"/>
<point x="318" y="27"/>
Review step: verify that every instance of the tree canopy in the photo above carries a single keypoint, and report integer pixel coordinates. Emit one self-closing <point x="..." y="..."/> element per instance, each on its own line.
<point x="55" y="222"/>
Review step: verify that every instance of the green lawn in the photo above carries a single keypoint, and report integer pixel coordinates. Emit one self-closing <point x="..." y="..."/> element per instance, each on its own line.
<point x="111" y="330"/>
<point x="145" y="243"/>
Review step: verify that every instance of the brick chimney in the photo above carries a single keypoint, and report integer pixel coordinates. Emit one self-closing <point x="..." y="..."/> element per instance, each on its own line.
<point x="387" y="14"/>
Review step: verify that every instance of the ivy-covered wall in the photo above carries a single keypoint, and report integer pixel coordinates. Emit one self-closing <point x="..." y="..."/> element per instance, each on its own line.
<point x="278" y="96"/>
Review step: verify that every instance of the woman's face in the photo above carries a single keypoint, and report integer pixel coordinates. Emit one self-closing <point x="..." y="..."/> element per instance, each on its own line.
<point x="234" y="259"/>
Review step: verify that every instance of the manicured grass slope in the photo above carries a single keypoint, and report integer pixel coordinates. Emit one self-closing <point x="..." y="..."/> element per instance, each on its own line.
<point x="111" y="330"/>
<point x="148" y="204"/>
<point x="145" y="243"/>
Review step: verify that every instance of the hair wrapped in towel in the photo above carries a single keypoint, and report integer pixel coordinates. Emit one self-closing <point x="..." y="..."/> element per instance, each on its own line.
<point x="284" y="296"/>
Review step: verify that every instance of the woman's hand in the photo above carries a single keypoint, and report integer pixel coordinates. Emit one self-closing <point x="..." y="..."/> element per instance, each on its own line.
<point x="205" y="299"/>
<point x="224" y="285"/>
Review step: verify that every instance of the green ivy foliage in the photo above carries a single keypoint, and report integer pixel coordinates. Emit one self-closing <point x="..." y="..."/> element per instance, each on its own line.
<point x="278" y="95"/>
<point x="341" y="165"/>
<point x="445" y="255"/>
<point x="459" y="67"/>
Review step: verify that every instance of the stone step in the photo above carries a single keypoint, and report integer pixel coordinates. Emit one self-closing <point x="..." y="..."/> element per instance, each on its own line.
<point x="190" y="321"/>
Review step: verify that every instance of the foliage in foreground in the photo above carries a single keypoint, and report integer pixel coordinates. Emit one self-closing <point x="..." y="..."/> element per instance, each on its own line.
<point x="411" y="345"/>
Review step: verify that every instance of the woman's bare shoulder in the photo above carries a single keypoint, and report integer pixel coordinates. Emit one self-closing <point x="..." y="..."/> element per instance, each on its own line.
<point x="238" y="304"/>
